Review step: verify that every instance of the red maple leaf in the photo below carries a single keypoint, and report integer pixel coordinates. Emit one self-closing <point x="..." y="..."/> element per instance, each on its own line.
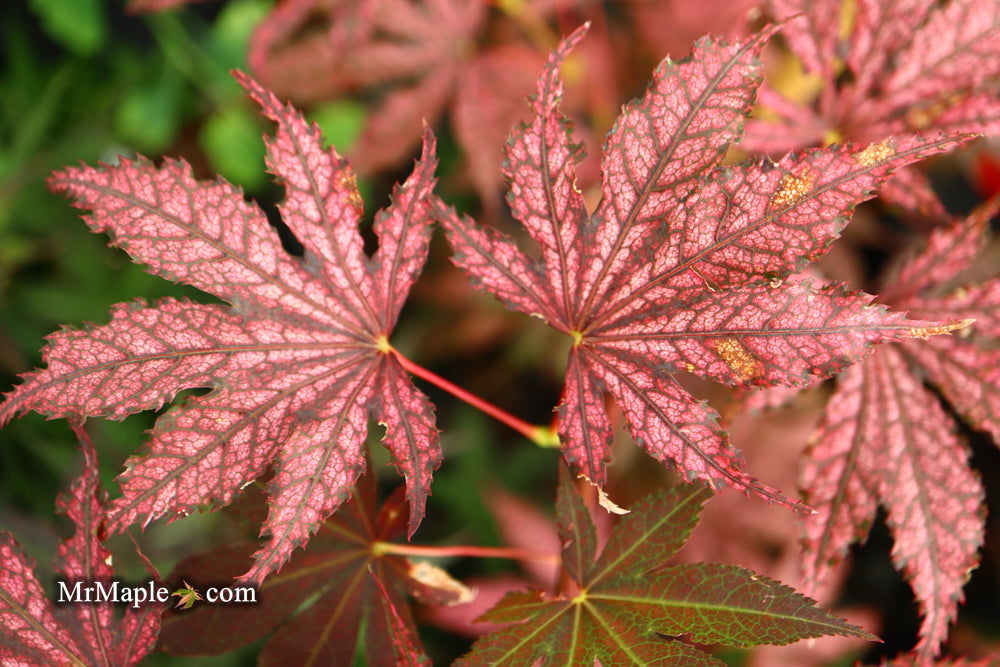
<point x="886" y="440"/>
<point x="681" y="267"/>
<point x="34" y="631"/>
<point x="902" y="67"/>
<point x="337" y="599"/>
<point x="417" y="50"/>
<point x="625" y="604"/>
<point x="297" y="362"/>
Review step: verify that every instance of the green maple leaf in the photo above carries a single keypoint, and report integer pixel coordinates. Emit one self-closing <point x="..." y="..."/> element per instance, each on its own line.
<point x="626" y="606"/>
<point x="187" y="596"/>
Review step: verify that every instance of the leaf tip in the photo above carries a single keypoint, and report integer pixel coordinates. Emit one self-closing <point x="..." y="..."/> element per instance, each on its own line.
<point x="926" y="332"/>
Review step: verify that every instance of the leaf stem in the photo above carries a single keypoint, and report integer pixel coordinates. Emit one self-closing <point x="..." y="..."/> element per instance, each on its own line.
<point x="543" y="436"/>
<point x="86" y="444"/>
<point x="381" y="548"/>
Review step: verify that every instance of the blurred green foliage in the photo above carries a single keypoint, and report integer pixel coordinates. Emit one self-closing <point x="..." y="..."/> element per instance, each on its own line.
<point x="79" y="25"/>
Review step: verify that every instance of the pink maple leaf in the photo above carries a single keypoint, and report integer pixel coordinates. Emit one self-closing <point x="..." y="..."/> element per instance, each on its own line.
<point x="417" y="54"/>
<point x="297" y="362"/>
<point x="902" y="67"/>
<point x="681" y="267"/>
<point x="886" y="440"/>
<point x="36" y="632"/>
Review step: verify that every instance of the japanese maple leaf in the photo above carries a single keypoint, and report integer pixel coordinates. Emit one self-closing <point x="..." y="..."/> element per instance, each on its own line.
<point x="627" y="606"/>
<point x="902" y="66"/>
<point x="681" y="266"/>
<point x="297" y="362"/>
<point x="417" y="50"/>
<point x="34" y="631"/>
<point x="886" y="440"/>
<point x="339" y="598"/>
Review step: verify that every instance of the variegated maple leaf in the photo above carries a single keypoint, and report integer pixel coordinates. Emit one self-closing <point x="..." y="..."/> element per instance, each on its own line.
<point x="886" y="440"/>
<point x="900" y="67"/>
<point x="417" y="56"/>
<point x="681" y="267"/>
<point x="33" y="631"/>
<point x="296" y="363"/>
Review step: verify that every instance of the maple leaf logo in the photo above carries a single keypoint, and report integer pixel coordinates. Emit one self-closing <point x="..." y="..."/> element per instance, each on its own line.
<point x="623" y="605"/>
<point x="33" y="631"/>
<point x="894" y="68"/>
<point x="886" y="440"/>
<point x="296" y="363"/>
<point x="186" y="596"/>
<point x="682" y="267"/>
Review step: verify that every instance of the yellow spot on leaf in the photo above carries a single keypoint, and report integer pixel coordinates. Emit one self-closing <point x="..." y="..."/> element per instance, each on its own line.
<point x="349" y="182"/>
<point x="875" y="153"/>
<point x="382" y="344"/>
<point x="739" y="359"/>
<point x="793" y="188"/>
